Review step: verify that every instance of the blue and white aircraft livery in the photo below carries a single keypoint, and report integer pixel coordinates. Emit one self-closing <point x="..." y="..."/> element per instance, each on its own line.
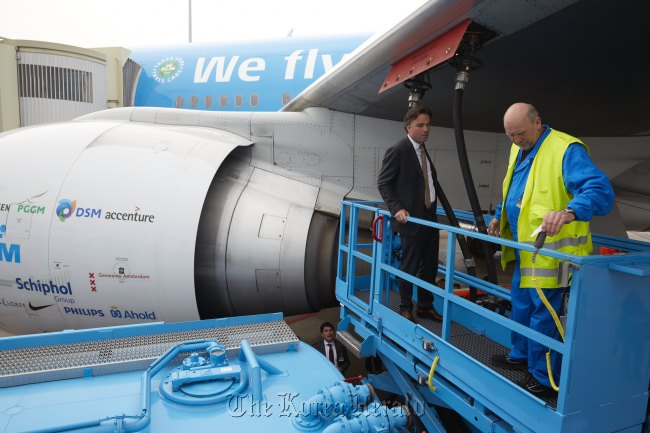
<point x="246" y="76"/>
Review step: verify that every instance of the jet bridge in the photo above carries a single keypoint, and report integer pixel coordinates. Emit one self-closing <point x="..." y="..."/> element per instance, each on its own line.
<point x="603" y="385"/>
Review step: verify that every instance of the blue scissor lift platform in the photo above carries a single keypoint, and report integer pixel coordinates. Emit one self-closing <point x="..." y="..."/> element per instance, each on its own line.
<point x="605" y="374"/>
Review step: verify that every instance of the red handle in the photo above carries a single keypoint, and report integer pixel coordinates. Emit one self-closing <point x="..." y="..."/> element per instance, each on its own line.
<point x="353" y="379"/>
<point x="380" y="219"/>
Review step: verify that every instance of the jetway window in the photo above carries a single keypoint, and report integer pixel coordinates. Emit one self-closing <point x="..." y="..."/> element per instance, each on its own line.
<point x="194" y="101"/>
<point x="208" y="101"/>
<point x="255" y="100"/>
<point x="179" y="102"/>
<point x="53" y="82"/>
<point x="223" y="101"/>
<point x="239" y="100"/>
<point x="286" y="98"/>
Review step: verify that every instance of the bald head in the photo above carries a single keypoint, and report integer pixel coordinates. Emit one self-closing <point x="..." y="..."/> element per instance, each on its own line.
<point x="523" y="125"/>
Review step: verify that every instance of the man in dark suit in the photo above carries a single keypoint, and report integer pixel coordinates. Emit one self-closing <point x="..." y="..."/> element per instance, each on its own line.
<point x="332" y="348"/>
<point x="406" y="182"/>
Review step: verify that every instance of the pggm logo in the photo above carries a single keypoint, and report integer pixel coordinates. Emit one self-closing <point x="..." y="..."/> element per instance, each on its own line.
<point x="8" y="252"/>
<point x="25" y="208"/>
<point x="67" y="208"/>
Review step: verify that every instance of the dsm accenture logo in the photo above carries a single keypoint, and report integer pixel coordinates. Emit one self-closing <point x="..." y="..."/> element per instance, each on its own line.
<point x="67" y="208"/>
<point x="167" y="70"/>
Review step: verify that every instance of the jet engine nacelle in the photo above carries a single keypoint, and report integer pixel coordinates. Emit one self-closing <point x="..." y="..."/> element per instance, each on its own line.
<point x="107" y="222"/>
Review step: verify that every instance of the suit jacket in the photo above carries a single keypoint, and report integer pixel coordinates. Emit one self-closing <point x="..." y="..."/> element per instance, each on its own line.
<point x="401" y="184"/>
<point x="341" y="353"/>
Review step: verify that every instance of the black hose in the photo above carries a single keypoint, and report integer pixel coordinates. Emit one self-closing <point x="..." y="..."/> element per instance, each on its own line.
<point x="462" y="241"/>
<point x="469" y="184"/>
<point x="453" y="221"/>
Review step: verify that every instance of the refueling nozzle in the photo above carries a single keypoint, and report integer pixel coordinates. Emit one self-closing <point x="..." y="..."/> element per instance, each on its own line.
<point x="539" y="241"/>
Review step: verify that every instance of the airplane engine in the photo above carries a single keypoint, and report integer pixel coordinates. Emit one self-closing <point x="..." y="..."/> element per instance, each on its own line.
<point x="107" y="222"/>
<point x="261" y="247"/>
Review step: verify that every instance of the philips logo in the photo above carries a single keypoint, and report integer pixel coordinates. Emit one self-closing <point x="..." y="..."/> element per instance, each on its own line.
<point x="83" y="311"/>
<point x="44" y="288"/>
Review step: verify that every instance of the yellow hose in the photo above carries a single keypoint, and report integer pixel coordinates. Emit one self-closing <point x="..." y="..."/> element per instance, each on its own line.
<point x="433" y="370"/>
<point x="558" y="324"/>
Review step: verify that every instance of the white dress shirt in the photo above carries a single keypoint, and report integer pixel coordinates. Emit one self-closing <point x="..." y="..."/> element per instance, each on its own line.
<point x="336" y="357"/>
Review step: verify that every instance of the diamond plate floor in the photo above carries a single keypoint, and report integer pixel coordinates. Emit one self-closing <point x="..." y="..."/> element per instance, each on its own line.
<point x="477" y="346"/>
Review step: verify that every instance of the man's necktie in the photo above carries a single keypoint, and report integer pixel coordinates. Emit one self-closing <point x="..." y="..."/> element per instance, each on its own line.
<point x="425" y="174"/>
<point x="330" y="353"/>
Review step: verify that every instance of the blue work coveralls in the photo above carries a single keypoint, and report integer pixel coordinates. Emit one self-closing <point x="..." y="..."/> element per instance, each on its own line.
<point x="592" y="195"/>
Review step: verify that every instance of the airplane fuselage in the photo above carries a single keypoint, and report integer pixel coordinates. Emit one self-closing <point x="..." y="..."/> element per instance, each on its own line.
<point x="241" y="76"/>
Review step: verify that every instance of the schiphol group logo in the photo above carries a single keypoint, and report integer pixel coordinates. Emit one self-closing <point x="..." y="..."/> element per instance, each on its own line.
<point x="67" y="208"/>
<point x="168" y="69"/>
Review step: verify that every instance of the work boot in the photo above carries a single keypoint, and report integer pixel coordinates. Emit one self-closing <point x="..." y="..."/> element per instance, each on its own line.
<point x="407" y="314"/>
<point x="428" y="313"/>
<point x="505" y="361"/>
<point x="539" y="390"/>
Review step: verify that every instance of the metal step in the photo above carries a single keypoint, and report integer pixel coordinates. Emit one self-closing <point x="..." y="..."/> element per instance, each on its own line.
<point x="350" y="342"/>
<point x="107" y="356"/>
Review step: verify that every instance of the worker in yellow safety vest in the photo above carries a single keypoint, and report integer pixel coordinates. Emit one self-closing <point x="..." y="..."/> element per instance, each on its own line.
<point x="551" y="183"/>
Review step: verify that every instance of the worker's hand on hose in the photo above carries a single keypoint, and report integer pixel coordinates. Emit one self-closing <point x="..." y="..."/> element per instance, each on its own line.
<point x="493" y="228"/>
<point x="554" y="220"/>
<point x="401" y="216"/>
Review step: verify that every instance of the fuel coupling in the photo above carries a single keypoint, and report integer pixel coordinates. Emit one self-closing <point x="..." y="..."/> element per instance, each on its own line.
<point x="464" y="61"/>
<point x="341" y="398"/>
<point x="418" y="87"/>
<point x="539" y="241"/>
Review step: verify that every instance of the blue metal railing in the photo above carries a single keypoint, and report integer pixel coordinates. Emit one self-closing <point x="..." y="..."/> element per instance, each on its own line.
<point x="392" y="336"/>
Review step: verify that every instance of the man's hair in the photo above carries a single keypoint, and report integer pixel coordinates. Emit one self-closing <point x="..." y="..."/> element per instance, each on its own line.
<point x="414" y="112"/>
<point x="326" y="325"/>
<point x="532" y="113"/>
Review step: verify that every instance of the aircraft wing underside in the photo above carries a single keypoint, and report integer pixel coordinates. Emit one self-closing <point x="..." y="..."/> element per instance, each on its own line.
<point x="583" y="64"/>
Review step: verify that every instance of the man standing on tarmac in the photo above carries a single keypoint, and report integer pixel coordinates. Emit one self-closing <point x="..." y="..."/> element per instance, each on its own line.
<point x="551" y="183"/>
<point x="406" y="183"/>
<point x="332" y="348"/>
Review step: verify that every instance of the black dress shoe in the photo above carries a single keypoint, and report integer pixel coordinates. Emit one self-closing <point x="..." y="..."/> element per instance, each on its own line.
<point x="407" y="314"/>
<point x="428" y="313"/>
<point x="539" y="390"/>
<point x="504" y="361"/>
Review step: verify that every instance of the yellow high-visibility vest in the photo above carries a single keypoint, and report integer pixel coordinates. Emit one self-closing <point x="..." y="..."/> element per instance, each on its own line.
<point x="544" y="192"/>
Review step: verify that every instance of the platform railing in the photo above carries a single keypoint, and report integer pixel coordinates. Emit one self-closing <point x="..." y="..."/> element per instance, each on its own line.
<point x="401" y="340"/>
